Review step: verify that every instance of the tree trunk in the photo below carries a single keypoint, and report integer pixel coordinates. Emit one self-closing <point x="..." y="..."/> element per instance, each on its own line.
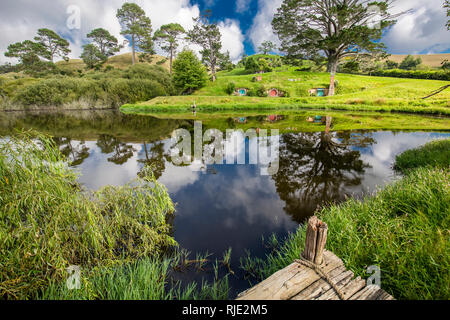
<point x="133" y="58"/>
<point x="213" y="72"/>
<point x="171" y="59"/>
<point x="333" y="68"/>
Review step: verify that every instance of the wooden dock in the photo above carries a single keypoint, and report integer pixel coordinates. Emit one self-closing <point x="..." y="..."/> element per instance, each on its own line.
<point x="317" y="275"/>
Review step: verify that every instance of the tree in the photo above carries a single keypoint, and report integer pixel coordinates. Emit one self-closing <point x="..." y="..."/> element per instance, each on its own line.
<point x="267" y="47"/>
<point x="55" y="45"/>
<point x="392" y="64"/>
<point x="207" y="35"/>
<point x="168" y="38"/>
<point x="225" y="62"/>
<point x="136" y="25"/>
<point x="447" y="6"/>
<point x="189" y="73"/>
<point x="92" y="56"/>
<point x="106" y="43"/>
<point x="336" y="28"/>
<point x="409" y="63"/>
<point x="29" y="53"/>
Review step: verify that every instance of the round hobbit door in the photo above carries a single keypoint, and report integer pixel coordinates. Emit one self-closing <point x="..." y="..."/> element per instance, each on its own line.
<point x="273" y="93"/>
<point x="242" y="92"/>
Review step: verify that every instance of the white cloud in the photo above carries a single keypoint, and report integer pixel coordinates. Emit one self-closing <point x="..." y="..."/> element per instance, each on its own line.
<point x="422" y="30"/>
<point x="261" y="30"/>
<point x="242" y="5"/>
<point x="232" y="39"/>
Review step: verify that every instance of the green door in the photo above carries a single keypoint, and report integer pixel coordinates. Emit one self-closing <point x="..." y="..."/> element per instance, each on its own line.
<point x="320" y="92"/>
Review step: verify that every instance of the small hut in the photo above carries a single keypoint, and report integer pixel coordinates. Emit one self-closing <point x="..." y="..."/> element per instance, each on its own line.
<point x="241" y="91"/>
<point x="274" y="92"/>
<point x="318" y="92"/>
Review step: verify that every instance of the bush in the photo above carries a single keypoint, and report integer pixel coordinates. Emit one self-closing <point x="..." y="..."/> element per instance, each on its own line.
<point x="188" y="72"/>
<point x="409" y="63"/>
<point x="48" y="222"/>
<point x="418" y="74"/>
<point x="231" y="87"/>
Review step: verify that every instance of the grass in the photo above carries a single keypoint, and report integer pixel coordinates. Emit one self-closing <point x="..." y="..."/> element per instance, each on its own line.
<point x="354" y="92"/>
<point x="404" y="229"/>
<point x="145" y="279"/>
<point x="120" y="61"/>
<point x="436" y="154"/>
<point x="48" y="223"/>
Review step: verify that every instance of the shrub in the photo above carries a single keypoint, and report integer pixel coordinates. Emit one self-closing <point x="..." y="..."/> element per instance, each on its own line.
<point x="418" y="74"/>
<point x="48" y="223"/>
<point x="231" y="87"/>
<point x="188" y="72"/>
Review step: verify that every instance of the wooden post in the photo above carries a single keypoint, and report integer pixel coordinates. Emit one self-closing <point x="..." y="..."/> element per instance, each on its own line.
<point x="316" y="238"/>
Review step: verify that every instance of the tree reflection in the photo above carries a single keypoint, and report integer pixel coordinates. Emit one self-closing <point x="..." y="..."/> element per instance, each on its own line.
<point x="75" y="151"/>
<point x="154" y="158"/>
<point x="318" y="168"/>
<point x="121" y="151"/>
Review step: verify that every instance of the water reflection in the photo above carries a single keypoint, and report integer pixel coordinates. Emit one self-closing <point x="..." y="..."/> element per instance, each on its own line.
<point x="228" y="205"/>
<point x="317" y="168"/>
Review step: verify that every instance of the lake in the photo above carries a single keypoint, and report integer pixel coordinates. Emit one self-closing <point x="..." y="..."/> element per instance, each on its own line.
<point x="221" y="206"/>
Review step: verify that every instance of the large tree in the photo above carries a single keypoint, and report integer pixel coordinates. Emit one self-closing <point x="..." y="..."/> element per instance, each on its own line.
<point x="29" y="54"/>
<point x="106" y="43"/>
<point x="168" y="37"/>
<point x="207" y="35"/>
<point x="136" y="25"/>
<point x="55" y="45"/>
<point x="335" y="28"/>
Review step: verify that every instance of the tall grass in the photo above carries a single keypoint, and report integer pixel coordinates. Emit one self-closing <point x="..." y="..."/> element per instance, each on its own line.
<point x="146" y="279"/>
<point x="436" y="153"/>
<point x="404" y="229"/>
<point x="47" y="222"/>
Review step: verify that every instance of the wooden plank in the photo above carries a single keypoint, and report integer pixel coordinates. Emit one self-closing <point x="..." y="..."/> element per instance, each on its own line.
<point x="288" y="282"/>
<point x="368" y="293"/>
<point x="320" y="286"/>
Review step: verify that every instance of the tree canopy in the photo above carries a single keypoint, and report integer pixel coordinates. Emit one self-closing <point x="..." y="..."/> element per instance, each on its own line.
<point x="136" y="25"/>
<point x="106" y="43"/>
<point x="55" y="45"/>
<point x="207" y="35"/>
<point x="189" y="73"/>
<point x="168" y="37"/>
<point x="267" y="47"/>
<point x="335" y="28"/>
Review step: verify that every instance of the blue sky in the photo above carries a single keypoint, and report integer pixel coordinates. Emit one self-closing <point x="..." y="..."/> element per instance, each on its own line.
<point x="244" y="24"/>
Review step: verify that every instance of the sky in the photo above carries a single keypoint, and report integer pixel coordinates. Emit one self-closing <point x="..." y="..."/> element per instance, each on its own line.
<point x="244" y="24"/>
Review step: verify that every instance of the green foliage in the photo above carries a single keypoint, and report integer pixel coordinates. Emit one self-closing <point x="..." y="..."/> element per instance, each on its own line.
<point x="391" y="64"/>
<point x="48" y="223"/>
<point x="413" y="74"/>
<point x="168" y="37"/>
<point x="445" y="65"/>
<point x="231" y="87"/>
<point x="105" y="42"/>
<point x="409" y="63"/>
<point x="435" y="154"/>
<point x="92" y="56"/>
<point x="402" y="229"/>
<point x="266" y="47"/>
<point x="54" y="44"/>
<point x="303" y="27"/>
<point x="207" y="35"/>
<point x="189" y="73"/>
<point x="136" y="25"/>
<point x="225" y="62"/>
<point x="351" y="66"/>
<point x="262" y="63"/>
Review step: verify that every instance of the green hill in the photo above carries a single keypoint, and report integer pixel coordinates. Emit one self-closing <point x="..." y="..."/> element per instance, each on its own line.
<point x="354" y="92"/>
<point x="121" y="61"/>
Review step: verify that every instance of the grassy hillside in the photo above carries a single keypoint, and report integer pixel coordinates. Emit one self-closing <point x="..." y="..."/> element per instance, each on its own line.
<point x="430" y="60"/>
<point x="354" y="92"/>
<point x="121" y="61"/>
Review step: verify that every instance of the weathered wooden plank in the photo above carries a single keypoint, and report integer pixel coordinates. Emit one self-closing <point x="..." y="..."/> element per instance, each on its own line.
<point x="320" y="286"/>
<point x="368" y="293"/>
<point x="288" y="282"/>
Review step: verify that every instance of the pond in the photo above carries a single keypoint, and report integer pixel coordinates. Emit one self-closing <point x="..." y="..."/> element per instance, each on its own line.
<point x="221" y="206"/>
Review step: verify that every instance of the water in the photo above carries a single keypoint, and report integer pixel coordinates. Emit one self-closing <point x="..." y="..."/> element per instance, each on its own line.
<point x="230" y="205"/>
